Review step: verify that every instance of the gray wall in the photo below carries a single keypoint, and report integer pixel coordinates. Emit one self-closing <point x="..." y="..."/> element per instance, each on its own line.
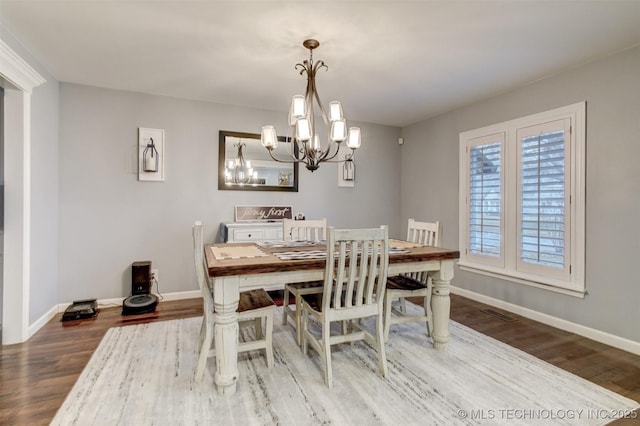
<point x="108" y="219"/>
<point x="44" y="187"/>
<point x="44" y="198"/>
<point x="611" y="88"/>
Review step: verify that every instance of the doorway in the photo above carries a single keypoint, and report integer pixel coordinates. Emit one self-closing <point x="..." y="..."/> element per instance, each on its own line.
<point x="1" y="205"/>
<point x="18" y="79"/>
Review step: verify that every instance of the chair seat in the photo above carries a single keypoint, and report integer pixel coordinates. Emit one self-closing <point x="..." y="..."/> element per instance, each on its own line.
<point x="305" y="285"/>
<point x="400" y="282"/>
<point x="254" y="299"/>
<point x="298" y="290"/>
<point x="314" y="301"/>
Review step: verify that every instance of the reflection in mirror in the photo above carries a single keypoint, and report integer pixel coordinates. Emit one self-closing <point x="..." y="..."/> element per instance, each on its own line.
<point x="244" y="165"/>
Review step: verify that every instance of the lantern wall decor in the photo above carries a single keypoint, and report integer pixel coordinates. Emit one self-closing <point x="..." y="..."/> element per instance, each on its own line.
<point x="150" y="154"/>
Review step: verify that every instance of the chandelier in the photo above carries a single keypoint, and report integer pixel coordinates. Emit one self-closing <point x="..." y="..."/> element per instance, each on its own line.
<point x="306" y="147"/>
<point x="239" y="170"/>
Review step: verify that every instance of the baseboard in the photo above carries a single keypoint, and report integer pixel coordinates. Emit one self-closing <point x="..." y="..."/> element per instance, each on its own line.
<point x="40" y="322"/>
<point x="105" y="303"/>
<point x="581" y="330"/>
<point x="591" y="333"/>
<point x="166" y="297"/>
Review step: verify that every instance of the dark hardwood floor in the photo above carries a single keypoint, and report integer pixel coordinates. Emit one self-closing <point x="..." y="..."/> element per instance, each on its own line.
<point x="36" y="376"/>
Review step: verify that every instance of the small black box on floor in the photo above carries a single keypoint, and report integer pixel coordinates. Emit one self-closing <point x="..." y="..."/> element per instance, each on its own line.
<point x="141" y="277"/>
<point x="81" y="309"/>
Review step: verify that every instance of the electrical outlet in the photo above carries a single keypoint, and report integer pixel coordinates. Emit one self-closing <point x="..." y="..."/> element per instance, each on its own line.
<point x="154" y="275"/>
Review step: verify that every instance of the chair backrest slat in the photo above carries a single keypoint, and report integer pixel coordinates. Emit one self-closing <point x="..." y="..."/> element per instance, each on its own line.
<point x="356" y="268"/>
<point x="425" y="233"/>
<point x="201" y="270"/>
<point x="310" y="230"/>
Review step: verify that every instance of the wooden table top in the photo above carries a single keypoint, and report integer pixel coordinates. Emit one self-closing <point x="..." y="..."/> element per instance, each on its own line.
<point x="271" y="263"/>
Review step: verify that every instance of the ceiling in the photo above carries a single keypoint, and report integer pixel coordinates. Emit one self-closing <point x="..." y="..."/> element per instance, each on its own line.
<point x="390" y="62"/>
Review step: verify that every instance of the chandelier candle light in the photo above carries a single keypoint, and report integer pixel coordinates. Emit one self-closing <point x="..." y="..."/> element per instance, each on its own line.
<point x="306" y="147"/>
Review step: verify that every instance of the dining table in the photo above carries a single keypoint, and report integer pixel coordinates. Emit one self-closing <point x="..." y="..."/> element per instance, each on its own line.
<point x="233" y="267"/>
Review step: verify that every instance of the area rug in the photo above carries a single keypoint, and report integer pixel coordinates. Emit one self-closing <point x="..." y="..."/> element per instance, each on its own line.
<point x="143" y="375"/>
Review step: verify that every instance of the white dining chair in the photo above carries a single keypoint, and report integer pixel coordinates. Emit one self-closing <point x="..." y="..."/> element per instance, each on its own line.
<point x="297" y="230"/>
<point x="415" y="284"/>
<point x="254" y="307"/>
<point x="354" y="282"/>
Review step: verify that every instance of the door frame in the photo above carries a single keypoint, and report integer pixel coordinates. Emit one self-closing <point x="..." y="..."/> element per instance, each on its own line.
<point x="19" y="79"/>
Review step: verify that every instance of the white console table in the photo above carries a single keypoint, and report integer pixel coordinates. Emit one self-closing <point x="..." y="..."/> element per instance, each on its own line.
<point x="239" y="232"/>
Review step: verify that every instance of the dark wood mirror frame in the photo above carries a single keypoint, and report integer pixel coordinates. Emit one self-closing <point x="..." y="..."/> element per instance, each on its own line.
<point x="223" y="148"/>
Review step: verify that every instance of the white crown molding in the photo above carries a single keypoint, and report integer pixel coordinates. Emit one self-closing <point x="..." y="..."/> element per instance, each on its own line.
<point x="14" y="69"/>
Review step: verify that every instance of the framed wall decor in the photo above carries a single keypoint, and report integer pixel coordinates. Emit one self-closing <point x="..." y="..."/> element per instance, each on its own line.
<point x="245" y="165"/>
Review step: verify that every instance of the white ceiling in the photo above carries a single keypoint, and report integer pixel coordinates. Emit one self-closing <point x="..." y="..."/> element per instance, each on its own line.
<point x="390" y="62"/>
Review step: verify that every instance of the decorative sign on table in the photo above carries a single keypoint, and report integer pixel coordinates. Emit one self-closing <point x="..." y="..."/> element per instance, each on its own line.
<point x="263" y="213"/>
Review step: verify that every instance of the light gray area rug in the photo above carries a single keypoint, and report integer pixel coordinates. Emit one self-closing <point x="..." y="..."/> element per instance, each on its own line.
<point x="143" y="375"/>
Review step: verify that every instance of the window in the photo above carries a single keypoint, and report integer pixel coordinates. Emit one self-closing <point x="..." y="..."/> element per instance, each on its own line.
<point x="485" y="200"/>
<point x="522" y="199"/>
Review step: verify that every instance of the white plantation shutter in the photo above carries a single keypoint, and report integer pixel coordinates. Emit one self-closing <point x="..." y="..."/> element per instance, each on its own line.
<point x="485" y="200"/>
<point x="522" y="200"/>
<point x="543" y="229"/>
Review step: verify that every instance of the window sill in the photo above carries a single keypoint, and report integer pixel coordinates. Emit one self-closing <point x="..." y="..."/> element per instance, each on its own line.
<point x="545" y="285"/>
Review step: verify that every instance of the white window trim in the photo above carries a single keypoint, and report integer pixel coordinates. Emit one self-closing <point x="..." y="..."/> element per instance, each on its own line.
<point x="575" y="284"/>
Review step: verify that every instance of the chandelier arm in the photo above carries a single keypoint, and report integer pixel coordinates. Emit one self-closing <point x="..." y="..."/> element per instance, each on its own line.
<point x="303" y="153"/>
<point x="315" y="94"/>
<point x="293" y="152"/>
<point x="319" y="102"/>
<point x="349" y="158"/>
<point x="302" y="67"/>
<point x="308" y="96"/>
<point x="282" y="161"/>
<point x="326" y="157"/>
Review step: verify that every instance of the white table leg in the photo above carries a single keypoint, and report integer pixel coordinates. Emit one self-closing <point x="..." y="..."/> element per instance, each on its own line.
<point x="441" y="304"/>
<point x="226" y="296"/>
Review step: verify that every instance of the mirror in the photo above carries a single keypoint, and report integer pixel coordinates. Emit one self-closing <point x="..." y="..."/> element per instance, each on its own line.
<point x="245" y="165"/>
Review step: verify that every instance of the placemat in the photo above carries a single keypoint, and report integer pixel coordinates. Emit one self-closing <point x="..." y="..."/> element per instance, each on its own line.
<point x="237" y="252"/>
<point x="403" y="244"/>
<point x="287" y="244"/>
<point x="320" y="254"/>
<point x="301" y="255"/>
